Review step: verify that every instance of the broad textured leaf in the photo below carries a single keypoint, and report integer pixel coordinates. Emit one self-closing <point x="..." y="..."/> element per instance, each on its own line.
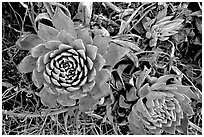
<point x="135" y="124"/>
<point x="184" y="124"/>
<point x="98" y="92"/>
<point x="39" y="50"/>
<point x="29" y="41"/>
<point x="114" y="54"/>
<point x="64" y="100"/>
<point x="144" y="90"/>
<point x="65" y="38"/>
<point x="102" y="43"/>
<point x="86" y="103"/>
<point x="47" y="32"/>
<point x="170" y="130"/>
<point x="28" y="64"/>
<point x="64" y="9"/>
<point x="63" y="22"/>
<point x="37" y="78"/>
<point x="47" y="98"/>
<point x="84" y="35"/>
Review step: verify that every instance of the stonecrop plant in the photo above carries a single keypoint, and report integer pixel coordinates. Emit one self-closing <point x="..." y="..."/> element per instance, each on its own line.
<point x="163" y="105"/>
<point x="65" y="61"/>
<point x="75" y="61"/>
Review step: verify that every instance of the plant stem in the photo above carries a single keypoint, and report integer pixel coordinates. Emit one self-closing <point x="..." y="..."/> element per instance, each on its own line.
<point x="28" y="115"/>
<point x="195" y="126"/>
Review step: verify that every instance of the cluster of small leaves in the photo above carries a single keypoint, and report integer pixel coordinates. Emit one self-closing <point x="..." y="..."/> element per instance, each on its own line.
<point x="135" y="57"/>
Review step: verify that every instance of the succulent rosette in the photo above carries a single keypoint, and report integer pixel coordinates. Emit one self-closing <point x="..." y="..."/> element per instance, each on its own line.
<point x="65" y="61"/>
<point x="162" y="106"/>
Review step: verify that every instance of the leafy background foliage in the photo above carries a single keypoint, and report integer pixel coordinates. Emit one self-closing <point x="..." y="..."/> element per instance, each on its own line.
<point x="151" y="48"/>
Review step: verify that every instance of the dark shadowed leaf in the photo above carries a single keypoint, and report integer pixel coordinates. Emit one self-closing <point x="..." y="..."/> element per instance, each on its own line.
<point x="29" y="41"/>
<point x="63" y="22"/>
<point x="28" y="64"/>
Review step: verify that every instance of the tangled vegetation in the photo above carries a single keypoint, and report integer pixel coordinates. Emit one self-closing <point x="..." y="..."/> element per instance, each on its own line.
<point x="101" y="68"/>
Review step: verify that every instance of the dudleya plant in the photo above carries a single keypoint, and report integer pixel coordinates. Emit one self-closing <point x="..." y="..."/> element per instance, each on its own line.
<point x="66" y="62"/>
<point x="164" y="105"/>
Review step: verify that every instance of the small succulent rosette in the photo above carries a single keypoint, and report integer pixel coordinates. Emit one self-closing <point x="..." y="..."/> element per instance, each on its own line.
<point x="162" y="106"/>
<point x="66" y="62"/>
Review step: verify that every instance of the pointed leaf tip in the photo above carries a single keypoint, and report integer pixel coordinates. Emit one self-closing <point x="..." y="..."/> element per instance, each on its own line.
<point x="63" y="22"/>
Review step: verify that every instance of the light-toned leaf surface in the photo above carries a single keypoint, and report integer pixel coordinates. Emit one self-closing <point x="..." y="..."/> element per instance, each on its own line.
<point x="47" y="32"/>
<point x="63" y="22"/>
<point x="29" y="41"/>
<point x="102" y="43"/>
<point x="28" y="64"/>
<point x="114" y="54"/>
<point x="86" y="103"/>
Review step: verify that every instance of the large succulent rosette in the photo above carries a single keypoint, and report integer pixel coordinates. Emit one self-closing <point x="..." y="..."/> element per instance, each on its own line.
<point x="164" y="105"/>
<point x="66" y="62"/>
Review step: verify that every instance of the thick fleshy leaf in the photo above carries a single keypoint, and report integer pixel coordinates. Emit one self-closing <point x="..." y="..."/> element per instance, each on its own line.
<point x="142" y="76"/>
<point x="139" y="106"/>
<point x="42" y="16"/>
<point x="39" y="50"/>
<point x="47" y="32"/>
<point x="170" y="129"/>
<point x="65" y="38"/>
<point x="28" y="64"/>
<point x="98" y="92"/>
<point x="184" y="125"/>
<point x="78" y="44"/>
<point x="114" y="54"/>
<point x="122" y="102"/>
<point x="64" y="100"/>
<point x="84" y="35"/>
<point x="86" y="103"/>
<point x="91" y="51"/>
<point x="37" y="78"/>
<point x="102" y="43"/>
<point x="53" y="44"/>
<point x="109" y="115"/>
<point x="40" y="66"/>
<point x="102" y="76"/>
<point x="99" y="62"/>
<point x="29" y="41"/>
<point x="144" y="90"/>
<point x="131" y="94"/>
<point x="165" y="78"/>
<point x="187" y="108"/>
<point x="47" y="98"/>
<point x="135" y="124"/>
<point x="63" y="22"/>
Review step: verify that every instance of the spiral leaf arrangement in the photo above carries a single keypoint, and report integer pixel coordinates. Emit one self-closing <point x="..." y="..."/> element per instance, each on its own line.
<point x="66" y="62"/>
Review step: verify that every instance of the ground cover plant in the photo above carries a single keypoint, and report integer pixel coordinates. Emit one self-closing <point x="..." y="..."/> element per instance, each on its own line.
<point x="101" y="68"/>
